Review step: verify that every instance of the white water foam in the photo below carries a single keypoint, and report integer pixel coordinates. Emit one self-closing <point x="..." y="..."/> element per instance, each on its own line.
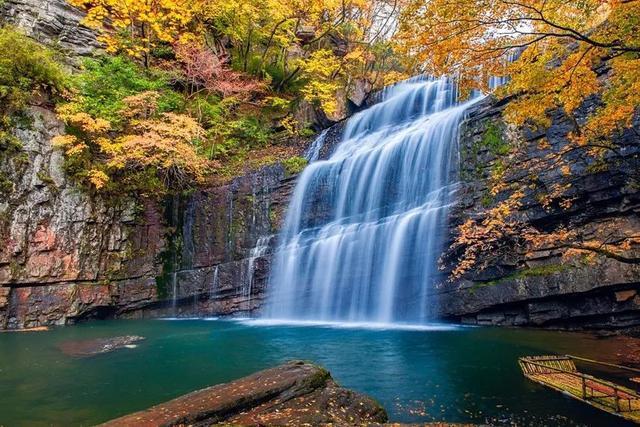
<point x="349" y="325"/>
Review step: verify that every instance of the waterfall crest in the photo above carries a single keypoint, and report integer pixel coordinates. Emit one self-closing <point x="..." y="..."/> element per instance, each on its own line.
<point x="363" y="230"/>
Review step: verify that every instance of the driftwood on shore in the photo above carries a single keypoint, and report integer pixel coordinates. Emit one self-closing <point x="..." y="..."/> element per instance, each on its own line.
<point x="296" y="393"/>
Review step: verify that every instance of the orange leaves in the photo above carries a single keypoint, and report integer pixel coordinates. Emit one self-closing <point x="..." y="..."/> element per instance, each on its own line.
<point x="164" y="143"/>
<point x="560" y="45"/>
<point x="481" y="239"/>
<point x="71" y="145"/>
<point x="97" y="178"/>
<point x="576" y="79"/>
<point x="142" y="105"/>
<point x="160" y="145"/>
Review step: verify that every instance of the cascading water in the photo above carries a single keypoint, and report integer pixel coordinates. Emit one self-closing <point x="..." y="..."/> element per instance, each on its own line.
<point x="313" y="152"/>
<point x="262" y="245"/>
<point x="363" y="231"/>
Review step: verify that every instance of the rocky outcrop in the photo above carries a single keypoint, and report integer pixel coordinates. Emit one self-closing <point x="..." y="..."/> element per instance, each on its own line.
<point x="53" y="22"/>
<point x="545" y="287"/>
<point x="218" y="254"/>
<point x="87" y="348"/>
<point x="66" y="253"/>
<point x="296" y="393"/>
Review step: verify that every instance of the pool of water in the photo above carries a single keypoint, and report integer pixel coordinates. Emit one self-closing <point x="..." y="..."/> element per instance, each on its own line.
<point x="432" y="373"/>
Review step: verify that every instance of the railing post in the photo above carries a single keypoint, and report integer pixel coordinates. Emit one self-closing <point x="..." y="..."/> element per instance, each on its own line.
<point x="584" y="388"/>
<point x="615" y="394"/>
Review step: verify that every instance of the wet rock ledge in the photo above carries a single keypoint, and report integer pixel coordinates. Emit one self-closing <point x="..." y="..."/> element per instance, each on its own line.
<point x="296" y="393"/>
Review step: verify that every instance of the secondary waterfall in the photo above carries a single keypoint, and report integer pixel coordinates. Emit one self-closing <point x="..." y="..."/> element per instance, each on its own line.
<point x="363" y="231"/>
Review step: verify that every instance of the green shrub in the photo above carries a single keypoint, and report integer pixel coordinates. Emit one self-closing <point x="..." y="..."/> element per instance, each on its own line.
<point x="106" y="81"/>
<point x="237" y="133"/>
<point x="249" y="131"/>
<point x="26" y="67"/>
<point x="294" y="165"/>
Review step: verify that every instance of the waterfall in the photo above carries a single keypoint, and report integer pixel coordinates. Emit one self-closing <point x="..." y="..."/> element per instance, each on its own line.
<point x="259" y="250"/>
<point x="364" y="228"/>
<point x="215" y="283"/>
<point x="313" y="152"/>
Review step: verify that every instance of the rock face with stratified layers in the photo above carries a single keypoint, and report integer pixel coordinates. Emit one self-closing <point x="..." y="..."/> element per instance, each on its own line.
<point x="67" y="254"/>
<point x="545" y="287"/>
<point x="54" y="22"/>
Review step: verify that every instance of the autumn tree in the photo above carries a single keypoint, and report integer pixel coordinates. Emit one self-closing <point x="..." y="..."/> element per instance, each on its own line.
<point x="317" y="47"/>
<point x="137" y="27"/>
<point x="556" y="47"/>
<point x="556" y="54"/>
<point x="152" y="153"/>
<point x="204" y="70"/>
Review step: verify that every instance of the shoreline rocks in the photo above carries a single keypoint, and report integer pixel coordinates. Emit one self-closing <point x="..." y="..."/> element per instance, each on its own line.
<point x="295" y="393"/>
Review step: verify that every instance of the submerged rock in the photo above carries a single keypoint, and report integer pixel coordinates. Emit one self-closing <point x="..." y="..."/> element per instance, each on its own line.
<point x="98" y="346"/>
<point x="296" y="393"/>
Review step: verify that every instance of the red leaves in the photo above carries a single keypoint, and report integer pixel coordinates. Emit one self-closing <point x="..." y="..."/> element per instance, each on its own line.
<point x="204" y="70"/>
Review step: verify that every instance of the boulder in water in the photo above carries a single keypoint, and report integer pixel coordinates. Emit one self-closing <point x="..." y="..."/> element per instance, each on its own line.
<point x="296" y="393"/>
<point x="98" y="346"/>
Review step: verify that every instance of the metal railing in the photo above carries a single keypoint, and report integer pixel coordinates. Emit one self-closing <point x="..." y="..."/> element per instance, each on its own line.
<point x="545" y="365"/>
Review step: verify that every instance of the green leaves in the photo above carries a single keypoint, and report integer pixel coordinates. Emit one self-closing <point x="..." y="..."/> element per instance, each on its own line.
<point x="106" y="81"/>
<point x="25" y="67"/>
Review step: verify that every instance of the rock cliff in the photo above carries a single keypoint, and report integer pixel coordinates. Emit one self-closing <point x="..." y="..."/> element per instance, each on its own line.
<point x="544" y="288"/>
<point x="68" y="255"/>
<point x="53" y="22"/>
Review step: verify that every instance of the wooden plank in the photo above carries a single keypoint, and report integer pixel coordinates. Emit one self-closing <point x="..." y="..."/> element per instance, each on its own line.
<point x="561" y="374"/>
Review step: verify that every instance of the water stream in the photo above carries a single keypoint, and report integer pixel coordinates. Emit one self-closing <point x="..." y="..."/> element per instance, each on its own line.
<point x="364" y="228"/>
<point x="259" y="250"/>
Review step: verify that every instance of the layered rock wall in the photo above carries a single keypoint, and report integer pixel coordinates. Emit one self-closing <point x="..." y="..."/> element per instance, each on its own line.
<point x="220" y="243"/>
<point x="53" y="22"/>
<point x="547" y="287"/>
<point x="68" y="254"/>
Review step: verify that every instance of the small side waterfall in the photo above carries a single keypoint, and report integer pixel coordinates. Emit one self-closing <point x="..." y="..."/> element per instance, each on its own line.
<point x="259" y="250"/>
<point x="363" y="230"/>
<point x="215" y="283"/>
<point x="313" y="152"/>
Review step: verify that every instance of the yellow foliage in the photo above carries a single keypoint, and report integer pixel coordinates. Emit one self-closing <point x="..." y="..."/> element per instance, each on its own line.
<point x="163" y="145"/>
<point x="98" y="178"/>
<point x="321" y="68"/>
<point x="135" y="27"/>
<point x="559" y="43"/>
